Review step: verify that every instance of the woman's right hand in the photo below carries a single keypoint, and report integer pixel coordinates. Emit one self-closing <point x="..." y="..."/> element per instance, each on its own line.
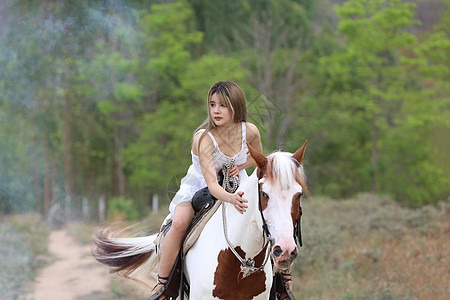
<point x="238" y="202"/>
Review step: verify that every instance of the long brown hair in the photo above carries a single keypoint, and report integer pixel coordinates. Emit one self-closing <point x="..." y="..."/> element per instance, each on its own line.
<point x="233" y="97"/>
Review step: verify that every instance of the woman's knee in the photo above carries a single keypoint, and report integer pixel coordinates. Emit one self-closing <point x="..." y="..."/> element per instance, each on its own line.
<point x="181" y="224"/>
<point x="183" y="217"/>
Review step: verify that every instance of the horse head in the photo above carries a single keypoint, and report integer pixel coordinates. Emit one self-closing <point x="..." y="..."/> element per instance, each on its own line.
<point x="281" y="185"/>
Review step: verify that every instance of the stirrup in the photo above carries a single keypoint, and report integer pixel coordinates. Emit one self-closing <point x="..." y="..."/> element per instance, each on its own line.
<point x="163" y="288"/>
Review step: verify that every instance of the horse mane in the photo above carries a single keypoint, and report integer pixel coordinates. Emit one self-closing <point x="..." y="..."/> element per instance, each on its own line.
<point x="283" y="169"/>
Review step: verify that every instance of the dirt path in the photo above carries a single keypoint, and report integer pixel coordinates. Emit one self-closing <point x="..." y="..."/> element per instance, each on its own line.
<point x="74" y="274"/>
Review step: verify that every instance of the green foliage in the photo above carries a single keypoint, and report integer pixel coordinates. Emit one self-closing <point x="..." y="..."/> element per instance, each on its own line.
<point x="16" y="179"/>
<point x="377" y="106"/>
<point x="169" y="38"/>
<point x="120" y="208"/>
<point x="109" y="94"/>
<point x="114" y="88"/>
<point x="162" y="151"/>
<point x="200" y="74"/>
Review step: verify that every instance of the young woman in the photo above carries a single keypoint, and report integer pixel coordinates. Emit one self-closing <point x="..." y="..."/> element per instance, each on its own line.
<point x="220" y="139"/>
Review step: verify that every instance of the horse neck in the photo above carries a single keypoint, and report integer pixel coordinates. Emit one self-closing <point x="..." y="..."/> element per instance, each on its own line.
<point x="244" y="230"/>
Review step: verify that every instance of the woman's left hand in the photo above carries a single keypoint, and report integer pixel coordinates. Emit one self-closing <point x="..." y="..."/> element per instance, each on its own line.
<point x="235" y="172"/>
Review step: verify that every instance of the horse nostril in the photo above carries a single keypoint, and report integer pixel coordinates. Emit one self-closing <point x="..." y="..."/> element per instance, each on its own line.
<point x="294" y="254"/>
<point x="277" y="251"/>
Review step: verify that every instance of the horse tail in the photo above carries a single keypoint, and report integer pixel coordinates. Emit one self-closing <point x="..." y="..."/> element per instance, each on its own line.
<point x="125" y="255"/>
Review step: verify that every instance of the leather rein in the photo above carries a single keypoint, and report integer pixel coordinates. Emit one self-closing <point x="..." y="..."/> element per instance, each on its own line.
<point x="247" y="265"/>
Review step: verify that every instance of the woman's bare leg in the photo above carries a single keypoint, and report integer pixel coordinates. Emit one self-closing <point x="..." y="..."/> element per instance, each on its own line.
<point x="182" y="218"/>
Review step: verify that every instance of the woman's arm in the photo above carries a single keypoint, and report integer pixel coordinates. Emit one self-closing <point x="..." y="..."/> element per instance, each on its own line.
<point x="206" y="150"/>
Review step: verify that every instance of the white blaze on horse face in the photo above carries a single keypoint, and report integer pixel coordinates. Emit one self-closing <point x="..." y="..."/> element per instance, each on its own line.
<point x="279" y="219"/>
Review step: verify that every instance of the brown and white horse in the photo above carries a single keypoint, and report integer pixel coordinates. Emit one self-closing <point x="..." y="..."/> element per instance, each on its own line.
<point x="230" y="259"/>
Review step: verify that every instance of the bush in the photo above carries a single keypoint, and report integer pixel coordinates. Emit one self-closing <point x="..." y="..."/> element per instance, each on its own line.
<point x="120" y="209"/>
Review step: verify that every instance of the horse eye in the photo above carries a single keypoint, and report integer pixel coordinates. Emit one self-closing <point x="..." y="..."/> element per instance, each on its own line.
<point x="264" y="195"/>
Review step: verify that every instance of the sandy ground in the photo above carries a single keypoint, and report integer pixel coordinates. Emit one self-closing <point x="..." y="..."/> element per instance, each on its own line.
<point x="73" y="275"/>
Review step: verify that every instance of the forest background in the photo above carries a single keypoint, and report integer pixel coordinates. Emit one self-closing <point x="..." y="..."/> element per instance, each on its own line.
<point x="99" y="99"/>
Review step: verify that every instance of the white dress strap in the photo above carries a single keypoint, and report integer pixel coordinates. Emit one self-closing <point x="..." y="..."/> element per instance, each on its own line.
<point x="213" y="139"/>
<point x="244" y="132"/>
<point x="210" y="134"/>
<point x="199" y="131"/>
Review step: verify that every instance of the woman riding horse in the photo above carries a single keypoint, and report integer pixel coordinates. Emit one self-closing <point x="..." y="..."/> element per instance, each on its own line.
<point x="221" y="139"/>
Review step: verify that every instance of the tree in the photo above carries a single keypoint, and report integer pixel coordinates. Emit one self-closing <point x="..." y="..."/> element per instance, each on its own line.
<point x="178" y="83"/>
<point x="374" y="98"/>
<point x="275" y="56"/>
<point x="169" y="38"/>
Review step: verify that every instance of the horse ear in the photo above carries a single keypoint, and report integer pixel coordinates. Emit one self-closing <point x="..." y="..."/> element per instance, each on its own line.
<point x="261" y="160"/>
<point x="299" y="154"/>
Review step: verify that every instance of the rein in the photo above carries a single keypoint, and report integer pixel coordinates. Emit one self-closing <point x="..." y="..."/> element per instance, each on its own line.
<point x="247" y="266"/>
<point x="229" y="185"/>
<point x="265" y="228"/>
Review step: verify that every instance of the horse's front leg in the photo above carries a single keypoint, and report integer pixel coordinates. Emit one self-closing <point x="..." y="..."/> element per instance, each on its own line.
<point x="200" y="284"/>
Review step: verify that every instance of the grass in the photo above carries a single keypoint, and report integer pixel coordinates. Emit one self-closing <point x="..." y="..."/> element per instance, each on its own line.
<point x="23" y="249"/>
<point x="369" y="247"/>
<point x="372" y="248"/>
<point x="119" y="289"/>
<point x="364" y="248"/>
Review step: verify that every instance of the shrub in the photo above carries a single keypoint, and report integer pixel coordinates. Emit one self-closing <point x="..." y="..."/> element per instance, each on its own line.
<point x="120" y="209"/>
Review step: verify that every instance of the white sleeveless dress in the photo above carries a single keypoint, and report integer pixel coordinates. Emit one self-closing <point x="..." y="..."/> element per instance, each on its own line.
<point x="193" y="181"/>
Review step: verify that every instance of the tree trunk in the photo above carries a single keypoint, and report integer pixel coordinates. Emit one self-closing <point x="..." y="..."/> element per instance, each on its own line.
<point x="279" y="90"/>
<point x="43" y="110"/>
<point x="37" y="185"/>
<point x="118" y="161"/>
<point x="70" y="174"/>
<point x="53" y="178"/>
<point x="45" y="149"/>
<point x="53" y="152"/>
<point x="374" y="161"/>
<point x="113" y="177"/>
<point x="69" y="181"/>
<point x="47" y="188"/>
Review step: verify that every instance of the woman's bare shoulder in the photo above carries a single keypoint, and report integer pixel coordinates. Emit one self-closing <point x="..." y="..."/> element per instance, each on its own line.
<point x="202" y="139"/>
<point x="252" y="132"/>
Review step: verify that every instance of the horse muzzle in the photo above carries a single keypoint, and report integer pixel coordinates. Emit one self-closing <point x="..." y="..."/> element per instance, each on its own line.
<point x="283" y="258"/>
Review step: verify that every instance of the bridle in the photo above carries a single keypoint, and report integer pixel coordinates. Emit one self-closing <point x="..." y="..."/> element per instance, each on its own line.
<point x="248" y="266"/>
<point x="264" y="226"/>
<point x="297" y="227"/>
